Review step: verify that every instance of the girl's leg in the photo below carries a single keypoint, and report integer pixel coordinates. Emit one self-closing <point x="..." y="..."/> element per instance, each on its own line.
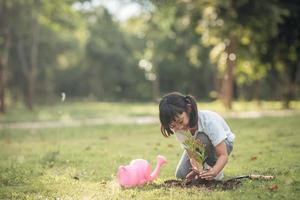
<point x="211" y="156"/>
<point x="184" y="165"/>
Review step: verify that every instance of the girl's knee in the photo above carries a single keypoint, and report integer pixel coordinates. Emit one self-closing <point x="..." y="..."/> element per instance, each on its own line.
<point x="204" y="138"/>
<point x="180" y="174"/>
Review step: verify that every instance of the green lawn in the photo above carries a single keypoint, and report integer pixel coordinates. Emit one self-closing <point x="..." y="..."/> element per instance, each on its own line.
<point x="81" y="110"/>
<point x="81" y="162"/>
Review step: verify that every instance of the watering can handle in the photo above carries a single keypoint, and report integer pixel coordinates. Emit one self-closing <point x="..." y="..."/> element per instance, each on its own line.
<point x="253" y="177"/>
<point x="261" y="177"/>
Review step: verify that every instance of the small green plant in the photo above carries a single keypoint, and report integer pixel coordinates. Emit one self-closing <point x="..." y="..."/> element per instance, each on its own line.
<point x="195" y="150"/>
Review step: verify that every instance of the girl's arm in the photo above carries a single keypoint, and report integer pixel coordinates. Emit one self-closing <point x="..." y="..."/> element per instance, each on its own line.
<point x="222" y="155"/>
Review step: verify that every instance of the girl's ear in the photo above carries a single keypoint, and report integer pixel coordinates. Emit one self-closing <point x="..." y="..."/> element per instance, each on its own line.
<point x="188" y="108"/>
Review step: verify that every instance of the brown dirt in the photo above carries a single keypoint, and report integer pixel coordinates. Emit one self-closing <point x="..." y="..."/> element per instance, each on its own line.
<point x="223" y="185"/>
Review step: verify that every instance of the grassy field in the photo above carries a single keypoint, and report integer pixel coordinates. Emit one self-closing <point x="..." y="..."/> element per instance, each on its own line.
<point x="64" y="111"/>
<point x="81" y="162"/>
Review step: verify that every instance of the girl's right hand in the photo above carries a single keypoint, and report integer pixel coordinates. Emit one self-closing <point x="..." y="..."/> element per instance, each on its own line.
<point x="193" y="173"/>
<point x="190" y="176"/>
<point x="194" y="164"/>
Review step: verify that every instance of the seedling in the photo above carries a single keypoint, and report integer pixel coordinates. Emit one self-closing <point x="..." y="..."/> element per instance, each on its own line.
<point x="196" y="152"/>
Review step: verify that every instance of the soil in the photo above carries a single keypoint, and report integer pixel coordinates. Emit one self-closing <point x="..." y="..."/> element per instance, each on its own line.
<point x="211" y="185"/>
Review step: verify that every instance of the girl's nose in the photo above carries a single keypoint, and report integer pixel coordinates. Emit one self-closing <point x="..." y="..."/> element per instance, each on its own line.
<point x="175" y="129"/>
<point x="178" y="128"/>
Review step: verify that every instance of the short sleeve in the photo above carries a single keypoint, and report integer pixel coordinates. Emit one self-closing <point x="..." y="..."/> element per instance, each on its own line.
<point x="215" y="132"/>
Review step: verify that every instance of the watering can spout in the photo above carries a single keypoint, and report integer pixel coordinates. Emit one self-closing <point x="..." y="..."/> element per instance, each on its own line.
<point x="161" y="160"/>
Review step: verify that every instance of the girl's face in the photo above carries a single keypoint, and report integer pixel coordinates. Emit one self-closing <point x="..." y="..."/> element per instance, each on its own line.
<point x="181" y="122"/>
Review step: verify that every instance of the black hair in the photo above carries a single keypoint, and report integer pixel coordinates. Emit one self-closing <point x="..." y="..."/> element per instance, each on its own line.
<point x="173" y="104"/>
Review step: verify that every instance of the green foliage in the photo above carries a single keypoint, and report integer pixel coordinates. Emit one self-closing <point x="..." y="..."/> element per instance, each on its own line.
<point x="85" y="52"/>
<point x="283" y="55"/>
<point x="112" y="69"/>
<point x="243" y="20"/>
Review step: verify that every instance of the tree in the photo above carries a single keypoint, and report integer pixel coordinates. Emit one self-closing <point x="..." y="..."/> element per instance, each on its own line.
<point x="173" y="58"/>
<point x="5" y="43"/>
<point x="112" y="69"/>
<point x="285" y="51"/>
<point x="232" y="28"/>
<point x="41" y="43"/>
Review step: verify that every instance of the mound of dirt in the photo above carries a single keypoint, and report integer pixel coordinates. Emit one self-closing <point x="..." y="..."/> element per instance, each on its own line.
<point x="223" y="185"/>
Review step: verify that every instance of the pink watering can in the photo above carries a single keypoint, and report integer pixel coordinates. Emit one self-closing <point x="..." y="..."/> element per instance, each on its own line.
<point x="138" y="172"/>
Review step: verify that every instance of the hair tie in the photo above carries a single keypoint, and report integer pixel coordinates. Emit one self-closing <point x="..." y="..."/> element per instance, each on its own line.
<point x="187" y="99"/>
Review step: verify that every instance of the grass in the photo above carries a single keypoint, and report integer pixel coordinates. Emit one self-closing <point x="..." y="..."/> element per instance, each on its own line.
<point x="81" y="163"/>
<point x="77" y="110"/>
<point x="64" y="111"/>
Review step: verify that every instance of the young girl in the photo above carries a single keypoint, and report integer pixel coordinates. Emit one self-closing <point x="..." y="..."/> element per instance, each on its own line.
<point x="179" y="113"/>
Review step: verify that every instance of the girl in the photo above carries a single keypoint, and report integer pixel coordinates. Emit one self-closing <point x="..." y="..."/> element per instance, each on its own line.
<point x="179" y="113"/>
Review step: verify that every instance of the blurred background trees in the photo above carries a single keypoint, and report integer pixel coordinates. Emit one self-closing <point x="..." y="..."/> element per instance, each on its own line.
<point x="217" y="49"/>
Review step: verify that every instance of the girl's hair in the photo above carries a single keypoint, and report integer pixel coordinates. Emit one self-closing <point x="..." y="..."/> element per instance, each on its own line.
<point x="174" y="104"/>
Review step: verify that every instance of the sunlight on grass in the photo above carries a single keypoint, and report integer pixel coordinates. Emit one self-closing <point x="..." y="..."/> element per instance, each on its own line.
<point x="81" y="162"/>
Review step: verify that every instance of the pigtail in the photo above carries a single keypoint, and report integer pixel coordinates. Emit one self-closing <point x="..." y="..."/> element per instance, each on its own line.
<point x="194" y="110"/>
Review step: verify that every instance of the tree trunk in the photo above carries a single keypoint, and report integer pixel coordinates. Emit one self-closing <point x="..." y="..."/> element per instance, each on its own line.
<point x="4" y="53"/>
<point x="256" y="91"/>
<point x="3" y="68"/>
<point x="24" y="66"/>
<point x="156" y="86"/>
<point x="287" y="96"/>
<point x="29" y="63"/>
<point x="29" y="92"/>
<point x="33" y="62"/>
<point x="290" y="88"/>
<point x="2" y="87"/>
<point x="227" y="82"/>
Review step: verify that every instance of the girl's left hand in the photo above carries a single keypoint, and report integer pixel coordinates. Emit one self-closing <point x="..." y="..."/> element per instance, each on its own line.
<point x="208" y="174"/>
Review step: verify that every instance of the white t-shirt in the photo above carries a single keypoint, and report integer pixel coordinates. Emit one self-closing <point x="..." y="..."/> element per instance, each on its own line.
<point x="213" y="125"/>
